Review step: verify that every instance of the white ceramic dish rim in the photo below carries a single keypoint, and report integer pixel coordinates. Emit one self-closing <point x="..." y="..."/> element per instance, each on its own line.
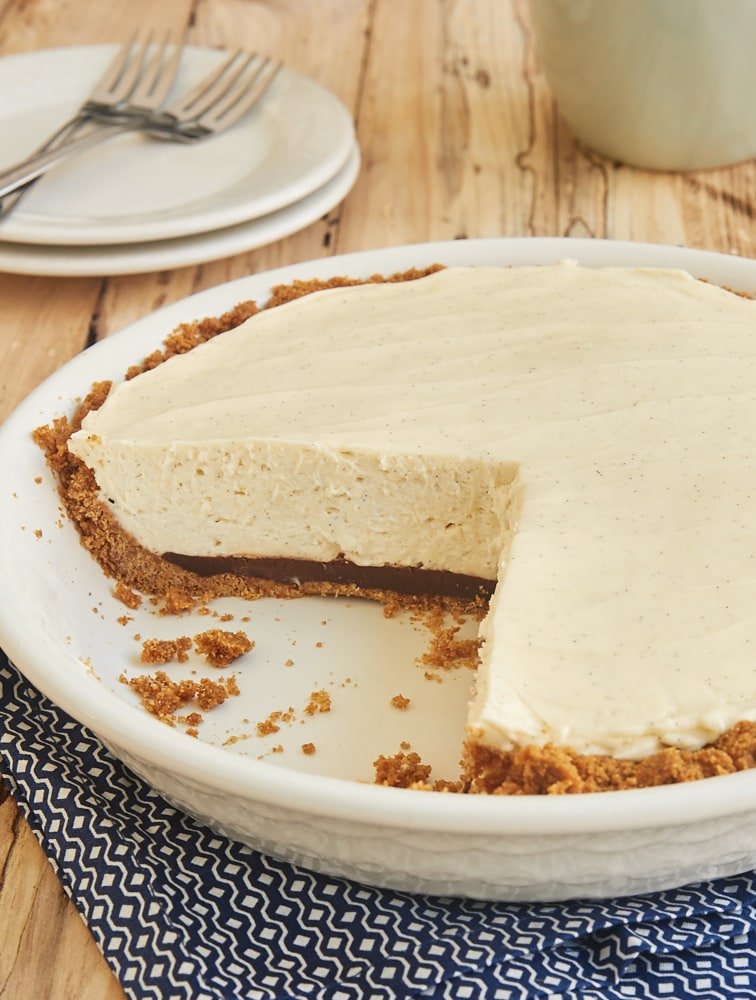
<point x="250" y="780"/>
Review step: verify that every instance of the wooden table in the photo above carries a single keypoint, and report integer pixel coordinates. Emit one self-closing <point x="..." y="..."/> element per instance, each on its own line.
<point x="459" y="137"/>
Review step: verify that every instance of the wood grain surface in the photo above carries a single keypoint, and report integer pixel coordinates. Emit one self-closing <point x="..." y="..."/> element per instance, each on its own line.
<point x="459" y="138"/>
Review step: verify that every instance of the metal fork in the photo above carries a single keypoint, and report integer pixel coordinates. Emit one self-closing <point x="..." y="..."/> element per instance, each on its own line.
<point x="132" y="85"/>
<point x="219" y="101"/>
<point x="216" y="104"/>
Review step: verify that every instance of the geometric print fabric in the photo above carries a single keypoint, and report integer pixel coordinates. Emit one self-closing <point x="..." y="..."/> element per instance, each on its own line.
<point x="181" y="913"/>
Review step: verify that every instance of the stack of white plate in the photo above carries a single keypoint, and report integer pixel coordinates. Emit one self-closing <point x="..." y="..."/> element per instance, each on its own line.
<point x="138" y="204"/>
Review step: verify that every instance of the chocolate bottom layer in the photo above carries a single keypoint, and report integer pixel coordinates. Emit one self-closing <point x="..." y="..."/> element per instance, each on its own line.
<point x="410" y="580"/>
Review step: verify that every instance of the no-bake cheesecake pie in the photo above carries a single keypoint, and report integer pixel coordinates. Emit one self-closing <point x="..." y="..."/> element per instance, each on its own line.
<point x="573" y="448"/>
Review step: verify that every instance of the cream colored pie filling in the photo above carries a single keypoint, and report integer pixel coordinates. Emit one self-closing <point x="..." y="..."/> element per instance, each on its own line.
<point x="586" y="438"/>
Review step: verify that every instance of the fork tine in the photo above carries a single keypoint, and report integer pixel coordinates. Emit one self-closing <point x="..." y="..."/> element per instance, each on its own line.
<point x="122" y="75"/>
<point x="115" y="69"/>
<point x="150" y="76"/>
<point x="160" y="92"/>
<point x="154" y="84"/>
<point x="206" y="90"/>
<point x="247" y="90"/>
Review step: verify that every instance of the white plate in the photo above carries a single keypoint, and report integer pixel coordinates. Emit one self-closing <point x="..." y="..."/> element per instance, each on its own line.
<point x="136" y="258"/>
<point x="58" y="621"/>
<point x="133" y="189"/>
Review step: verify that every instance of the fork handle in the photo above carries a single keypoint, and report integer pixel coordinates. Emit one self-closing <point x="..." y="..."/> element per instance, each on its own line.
<point x="39" y="163"/>
<point x="63" y="135"/>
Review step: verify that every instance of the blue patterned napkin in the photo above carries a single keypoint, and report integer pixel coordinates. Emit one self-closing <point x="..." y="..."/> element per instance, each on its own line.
<point x="180" y="912"/>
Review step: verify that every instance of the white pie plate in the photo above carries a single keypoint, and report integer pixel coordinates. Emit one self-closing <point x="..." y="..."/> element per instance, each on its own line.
<point x="58" y="623"/>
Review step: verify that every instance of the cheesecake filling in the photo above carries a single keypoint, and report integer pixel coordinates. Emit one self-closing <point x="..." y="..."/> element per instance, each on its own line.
<point x="292" y="500"/>
<point x="587" y="438"/>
